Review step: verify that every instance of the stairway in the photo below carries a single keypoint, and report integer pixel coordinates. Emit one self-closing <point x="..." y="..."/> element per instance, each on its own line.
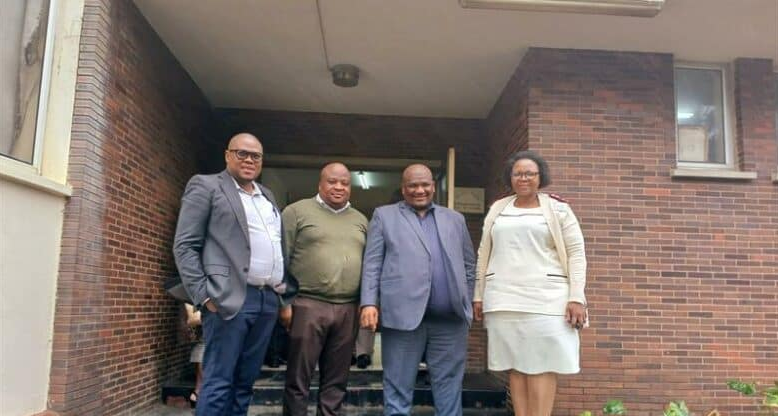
<point x="482" y="394"/>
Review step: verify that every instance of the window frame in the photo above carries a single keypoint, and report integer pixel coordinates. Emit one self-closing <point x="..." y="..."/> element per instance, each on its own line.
<point x="43" y="94"/>
<point x="727" y="101"/>
<point x="54" y="122"/>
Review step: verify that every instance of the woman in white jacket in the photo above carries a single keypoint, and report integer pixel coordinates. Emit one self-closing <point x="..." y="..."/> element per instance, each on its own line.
<point x="530" y="282"/>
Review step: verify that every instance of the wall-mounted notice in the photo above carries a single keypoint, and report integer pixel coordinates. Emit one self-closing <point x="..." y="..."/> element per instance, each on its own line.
<point x="469" y="200"/>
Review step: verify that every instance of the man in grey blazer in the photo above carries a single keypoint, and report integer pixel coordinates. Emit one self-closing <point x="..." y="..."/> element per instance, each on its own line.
<point x="419" y="266"/>
<point x="229" y="253"/>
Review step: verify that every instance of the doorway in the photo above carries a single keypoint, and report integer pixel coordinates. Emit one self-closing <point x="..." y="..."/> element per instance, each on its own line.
<point x="369" y="188"/>
<point x="374" y="182"/>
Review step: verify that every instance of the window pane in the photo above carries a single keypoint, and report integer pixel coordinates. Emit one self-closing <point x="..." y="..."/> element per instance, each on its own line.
<point x="22" y="41"/>
<point x="700" y="117"/>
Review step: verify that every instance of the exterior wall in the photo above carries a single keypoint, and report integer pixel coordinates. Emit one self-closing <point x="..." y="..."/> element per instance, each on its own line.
<point x="380" y="137"/>
<point x="30" y="229"/>
<point x="507" y="129"/>
<point x="32" y="198"/>
<point x="755" y="106"/>
<point x="360" y="135"/>
<point x="682" y="272"/>
<point x="139" y="126"/>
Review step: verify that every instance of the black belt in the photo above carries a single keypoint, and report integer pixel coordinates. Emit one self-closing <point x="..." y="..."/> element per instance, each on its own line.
<point x="261" y="287"/>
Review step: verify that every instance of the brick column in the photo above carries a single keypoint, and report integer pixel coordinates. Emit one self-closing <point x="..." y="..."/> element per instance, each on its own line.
<point x="140" y="125"/>
<point x="755" y="113"/>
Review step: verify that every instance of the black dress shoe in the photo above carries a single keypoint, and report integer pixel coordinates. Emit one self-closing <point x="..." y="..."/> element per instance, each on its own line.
<point x="363" y="361"/>
<point x="275" y="362"/>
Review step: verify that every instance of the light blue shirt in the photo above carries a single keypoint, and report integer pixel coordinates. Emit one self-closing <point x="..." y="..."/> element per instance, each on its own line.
<point x="264" y="221"/>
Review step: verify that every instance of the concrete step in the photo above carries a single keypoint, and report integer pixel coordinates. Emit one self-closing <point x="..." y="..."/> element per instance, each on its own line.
<point x="481" y="391"/>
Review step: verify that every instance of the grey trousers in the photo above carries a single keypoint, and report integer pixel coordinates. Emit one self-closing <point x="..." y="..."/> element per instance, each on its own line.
<point x="445" y="341"/>
<point x="365" y="342"/>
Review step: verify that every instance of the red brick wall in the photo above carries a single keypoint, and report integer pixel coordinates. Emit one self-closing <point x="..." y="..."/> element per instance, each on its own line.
<point x="683" y="273"/>
<point x="755" y="112"/>
<point x="139" y="126"/>
<point x="380" y="137"/>
<point x="506" y="128"/>
<point x="362" y="135"/>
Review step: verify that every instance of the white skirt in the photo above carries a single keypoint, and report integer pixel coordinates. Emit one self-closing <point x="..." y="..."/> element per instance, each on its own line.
<point x="531" y="343"/>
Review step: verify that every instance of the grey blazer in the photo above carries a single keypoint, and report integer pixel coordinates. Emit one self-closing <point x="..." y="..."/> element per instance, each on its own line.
<point x="397" y="272"/>
<point x="211" y="246"/>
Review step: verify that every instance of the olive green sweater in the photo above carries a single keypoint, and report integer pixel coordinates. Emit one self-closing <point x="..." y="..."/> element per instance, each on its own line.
<point x="325" y="250"/>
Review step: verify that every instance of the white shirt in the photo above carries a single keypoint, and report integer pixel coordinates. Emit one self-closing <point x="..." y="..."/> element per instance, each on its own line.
<point x="336" y="211"/>
<point x="267" y="261"/>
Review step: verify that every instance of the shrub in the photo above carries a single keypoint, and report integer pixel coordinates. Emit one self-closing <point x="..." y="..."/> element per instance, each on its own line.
<point x="769" y="402"/>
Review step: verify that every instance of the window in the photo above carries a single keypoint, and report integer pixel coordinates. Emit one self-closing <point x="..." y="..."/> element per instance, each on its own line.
<point x="702" y="119"/>
<point x="23" y="26"/>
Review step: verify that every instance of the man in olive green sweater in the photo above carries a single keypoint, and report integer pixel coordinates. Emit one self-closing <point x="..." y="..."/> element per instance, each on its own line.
<point x="325" y="238"/>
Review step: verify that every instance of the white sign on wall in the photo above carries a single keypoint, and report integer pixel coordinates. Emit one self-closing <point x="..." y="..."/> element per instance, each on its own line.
<point x="469" y="200"/>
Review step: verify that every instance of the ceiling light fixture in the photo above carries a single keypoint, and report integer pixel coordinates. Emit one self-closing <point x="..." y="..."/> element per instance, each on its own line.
<point x="343" y="75"/>
<point x="363" y="180"/>
<point x="637" y="8"/>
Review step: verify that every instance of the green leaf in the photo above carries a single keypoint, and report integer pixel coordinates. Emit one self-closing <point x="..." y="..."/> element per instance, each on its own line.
<point x="614" y="407"/>
<point x="744" y="388"/>
<point x="676" y="409"/>
<point x="770" y="400"/>
<point x="585" y="413"/>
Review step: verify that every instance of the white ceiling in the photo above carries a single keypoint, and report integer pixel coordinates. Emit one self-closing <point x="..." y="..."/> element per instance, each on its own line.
<point x="421" y="57"/>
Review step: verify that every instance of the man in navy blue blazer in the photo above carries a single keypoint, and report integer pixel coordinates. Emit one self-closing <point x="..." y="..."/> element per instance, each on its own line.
<point x="419" y="270"/>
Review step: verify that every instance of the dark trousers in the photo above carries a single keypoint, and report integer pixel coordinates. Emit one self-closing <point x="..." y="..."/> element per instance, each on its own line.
<point x="321" y="332"/>
<point x="365" y="342"/>
<point x="276" y="351"/>
<point x="234" y="351"/>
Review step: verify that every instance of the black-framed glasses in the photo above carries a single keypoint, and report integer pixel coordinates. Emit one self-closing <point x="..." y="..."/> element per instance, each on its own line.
<point x="243" y="154"/>
<point x="525" y="175"/>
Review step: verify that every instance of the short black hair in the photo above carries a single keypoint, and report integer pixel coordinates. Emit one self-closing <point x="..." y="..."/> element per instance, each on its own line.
<point x="545" y="173"/>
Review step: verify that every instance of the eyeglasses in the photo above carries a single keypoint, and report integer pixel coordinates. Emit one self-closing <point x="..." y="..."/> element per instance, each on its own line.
<point x="525" y="175"/>
<point x="243" y="154"/>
